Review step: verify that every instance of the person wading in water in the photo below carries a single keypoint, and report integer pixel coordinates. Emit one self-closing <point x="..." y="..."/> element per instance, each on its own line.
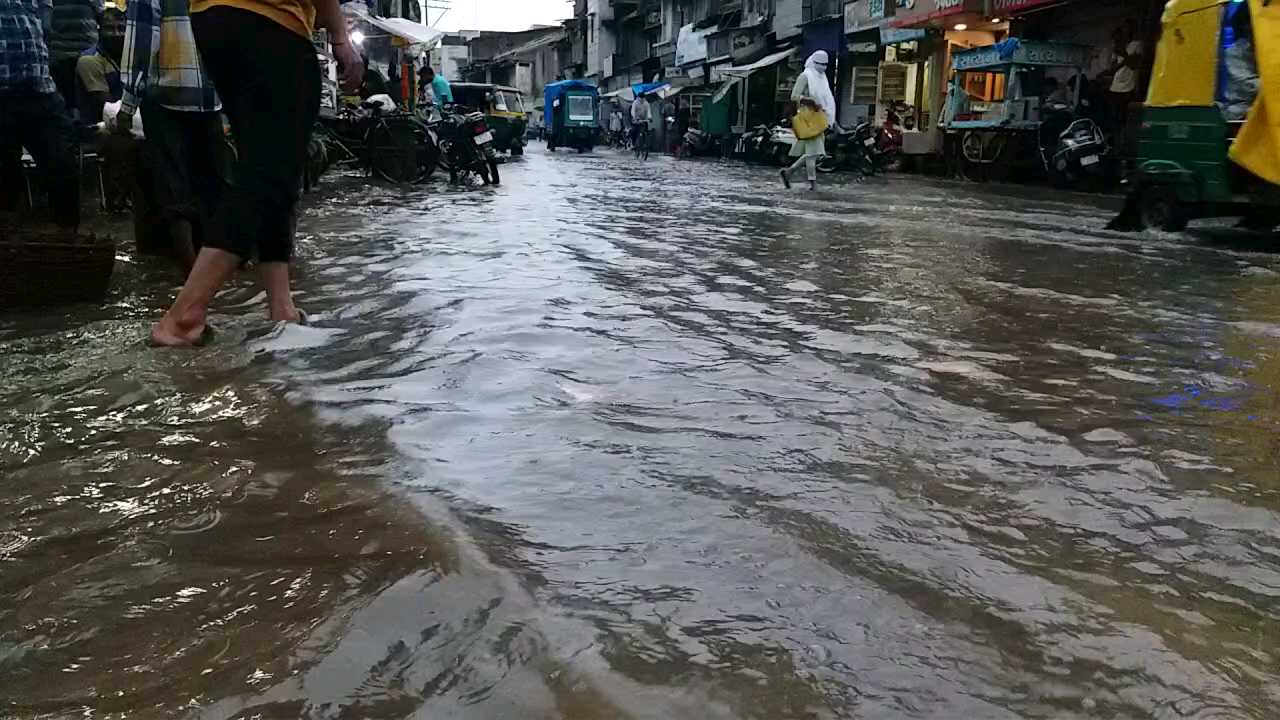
<point x="812" y="88"/>
<point x="259" y="55"/>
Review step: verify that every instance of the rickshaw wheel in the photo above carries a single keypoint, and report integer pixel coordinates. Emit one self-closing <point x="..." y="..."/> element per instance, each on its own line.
<point x="1158" y="207"/>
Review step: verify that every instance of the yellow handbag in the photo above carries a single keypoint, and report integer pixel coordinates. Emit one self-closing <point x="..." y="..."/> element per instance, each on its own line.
<point x="808" y="123"/>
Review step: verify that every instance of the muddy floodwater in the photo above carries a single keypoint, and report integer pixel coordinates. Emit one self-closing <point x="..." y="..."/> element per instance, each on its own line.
<point x="660" y="441"/>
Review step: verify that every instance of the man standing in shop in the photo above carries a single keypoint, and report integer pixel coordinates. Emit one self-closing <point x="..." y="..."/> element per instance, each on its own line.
<point x="260" y="57"/>
<point x="74" y="32"/>
<point x="163" y="75"/>
<point x="32" y="113"/>
<point x="1128" y="64"/>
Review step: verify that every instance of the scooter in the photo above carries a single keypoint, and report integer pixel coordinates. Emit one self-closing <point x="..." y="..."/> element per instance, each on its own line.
<point x="781" y="140"/>
<point x="1075" y="153"/>
<point x="1078" y="155"/>
<point x="848" y="149"/>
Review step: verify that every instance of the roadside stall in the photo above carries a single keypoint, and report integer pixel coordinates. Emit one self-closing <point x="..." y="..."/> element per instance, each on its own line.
<point x="1001" y="97"/>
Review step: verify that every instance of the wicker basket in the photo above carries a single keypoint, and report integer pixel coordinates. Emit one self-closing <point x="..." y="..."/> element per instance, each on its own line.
<point x="49" y="266"/>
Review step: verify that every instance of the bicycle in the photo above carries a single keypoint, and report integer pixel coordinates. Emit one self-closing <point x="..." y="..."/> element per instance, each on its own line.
<point x="641" y="147"/>
<point x="396" y="146"/>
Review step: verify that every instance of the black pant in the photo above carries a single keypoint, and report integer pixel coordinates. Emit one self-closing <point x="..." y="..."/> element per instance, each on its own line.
<point x="269" y="82"/>
<point x="39" y="122"/>
<point x="183" y="157"/>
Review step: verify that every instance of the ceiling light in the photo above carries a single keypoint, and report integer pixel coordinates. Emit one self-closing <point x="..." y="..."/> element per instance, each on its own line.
<point x="961" y="27"/>
<point x="995" y="21"/>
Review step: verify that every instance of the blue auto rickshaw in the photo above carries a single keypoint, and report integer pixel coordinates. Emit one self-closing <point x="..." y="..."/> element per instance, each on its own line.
<point x="571" y="113"/>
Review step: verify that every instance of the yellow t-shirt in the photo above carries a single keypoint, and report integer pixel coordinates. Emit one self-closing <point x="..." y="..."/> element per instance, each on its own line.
<point x="297" y="15"/>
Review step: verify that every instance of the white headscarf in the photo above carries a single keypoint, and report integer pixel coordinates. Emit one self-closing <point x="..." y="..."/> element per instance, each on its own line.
<point x="815" y="71"/>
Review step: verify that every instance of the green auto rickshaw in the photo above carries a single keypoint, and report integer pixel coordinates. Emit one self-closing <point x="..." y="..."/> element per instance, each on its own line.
<point x="504" y="112"/>
<point x="1210" y="137"/>
<point x="571" y="113"/>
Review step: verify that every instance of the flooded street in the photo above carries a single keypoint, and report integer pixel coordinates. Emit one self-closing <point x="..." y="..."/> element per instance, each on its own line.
<point x="660" y="441"/>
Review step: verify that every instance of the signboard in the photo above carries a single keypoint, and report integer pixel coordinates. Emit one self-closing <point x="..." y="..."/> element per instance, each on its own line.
<point x="1025" y="53"/>
<point x="691" y="45"/>
<point x="861" y="15"/>
<point x="925" y="10"/>
<point x="1009" y="7"/>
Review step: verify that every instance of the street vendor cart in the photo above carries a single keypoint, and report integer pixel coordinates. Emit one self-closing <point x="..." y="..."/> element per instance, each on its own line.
<point x="1004" y="97"/>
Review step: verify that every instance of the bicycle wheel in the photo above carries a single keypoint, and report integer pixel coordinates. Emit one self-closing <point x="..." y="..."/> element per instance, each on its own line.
<point x="392" y="151"/>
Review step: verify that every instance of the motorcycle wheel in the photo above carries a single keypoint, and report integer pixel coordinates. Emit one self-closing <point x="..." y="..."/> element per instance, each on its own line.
<point x="491" y="178"/>
<point x="828" y="164"/>
<point x="779" y="155"/>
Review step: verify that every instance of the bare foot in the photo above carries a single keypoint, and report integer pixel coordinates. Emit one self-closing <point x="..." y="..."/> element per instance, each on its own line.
<point x="179" y="332"/>
<point x="290" y="314"/>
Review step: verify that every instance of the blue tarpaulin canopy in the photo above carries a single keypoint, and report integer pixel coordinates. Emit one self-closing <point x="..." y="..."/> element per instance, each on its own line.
<point x="641" y="89"/>
<point x="554" y="91"/>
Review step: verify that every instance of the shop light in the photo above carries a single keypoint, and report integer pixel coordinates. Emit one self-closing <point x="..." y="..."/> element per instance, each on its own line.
<point x="357" y="37"/>
<point x="995" y="21"/>
<point x="961" y="27"/>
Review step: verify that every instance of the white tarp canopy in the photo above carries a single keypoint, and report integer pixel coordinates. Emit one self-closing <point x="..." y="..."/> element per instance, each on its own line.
<point x="743" y="71"/>
<point x="409" y="31"/>
<point x="624" y="94"/>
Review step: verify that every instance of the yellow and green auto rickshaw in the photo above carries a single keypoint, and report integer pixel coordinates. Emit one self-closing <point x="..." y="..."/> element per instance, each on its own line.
<point x="504" y="112"/>
<point x="1210" y="139"/>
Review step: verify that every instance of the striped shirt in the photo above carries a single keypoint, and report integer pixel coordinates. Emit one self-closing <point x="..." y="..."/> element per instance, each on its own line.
<point x="161" y="61"/>
<point x="24" y="58"/>
<point x="75" y="28"/>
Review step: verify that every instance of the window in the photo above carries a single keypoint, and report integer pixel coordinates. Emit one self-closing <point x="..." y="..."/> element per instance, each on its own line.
<point x="893" y="83"/>
<point x="865" y="82"/>
<point x="581" y="107"/>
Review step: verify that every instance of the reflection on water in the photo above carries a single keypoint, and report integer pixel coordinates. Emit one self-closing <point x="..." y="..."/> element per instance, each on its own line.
<point x="660" y="441"/>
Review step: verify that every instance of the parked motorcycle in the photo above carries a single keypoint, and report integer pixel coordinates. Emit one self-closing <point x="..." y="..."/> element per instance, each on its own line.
<point x="1074" y="154"/>
<point x="697" y="143"/>
<point x="888" y="147"/>
<point x="849" y="149"/>
<point x="765" y="144"/>
<point x="467" y="147"/>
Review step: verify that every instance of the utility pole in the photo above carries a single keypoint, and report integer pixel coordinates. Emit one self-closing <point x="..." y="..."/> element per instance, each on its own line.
<point x="444" y="6"/>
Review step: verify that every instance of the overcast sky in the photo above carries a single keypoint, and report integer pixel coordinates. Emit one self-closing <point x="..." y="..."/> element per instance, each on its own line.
<point x="499" y="14"/>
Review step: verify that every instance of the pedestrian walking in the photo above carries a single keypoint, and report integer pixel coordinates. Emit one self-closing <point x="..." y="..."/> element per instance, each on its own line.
<point x="260" y="57"/>
<point x="74" y="32"/>
<point x="163" y="75"/>
<point x="33" y="113"/>
<point x="812" y="89"/>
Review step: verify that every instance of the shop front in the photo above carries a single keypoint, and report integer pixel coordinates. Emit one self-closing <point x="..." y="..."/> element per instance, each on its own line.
<point x="918" y="42"/>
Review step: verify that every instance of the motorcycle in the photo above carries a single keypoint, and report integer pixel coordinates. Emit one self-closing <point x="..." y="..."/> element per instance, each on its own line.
<point x="765" y="144"/>
<point x="888" y="147"/>
<point x="849" y="149"/>
<point x="467" y="147"/>
<point x="697" y="143"/>
<point x="1075" y="153"/>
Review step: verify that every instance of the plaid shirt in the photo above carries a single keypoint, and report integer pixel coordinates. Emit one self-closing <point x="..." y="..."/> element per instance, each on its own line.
<point x="161" y="61"/>
<point x="24" y="57"/>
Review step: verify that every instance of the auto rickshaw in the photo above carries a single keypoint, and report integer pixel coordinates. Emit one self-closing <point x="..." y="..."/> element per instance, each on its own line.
<point x="571" y="112"/>
<point x="504" y="112"/>
<point x="1210" y="139"/>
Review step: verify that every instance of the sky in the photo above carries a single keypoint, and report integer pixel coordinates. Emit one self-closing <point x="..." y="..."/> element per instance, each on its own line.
<point x="499" y="14"/>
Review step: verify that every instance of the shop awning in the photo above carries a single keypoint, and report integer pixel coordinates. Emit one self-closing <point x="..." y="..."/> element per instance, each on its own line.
<point x="743" y="71"/>
<point x="724" y="89"/>
<point x="623" y="94"/>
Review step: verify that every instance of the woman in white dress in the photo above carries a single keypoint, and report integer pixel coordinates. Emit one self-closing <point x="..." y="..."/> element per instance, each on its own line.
<point x="813" y="89"/>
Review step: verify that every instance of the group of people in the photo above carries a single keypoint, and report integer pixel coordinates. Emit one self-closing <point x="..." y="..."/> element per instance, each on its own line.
<point x="637" y="123"/>
<point x="184" y="64"/>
